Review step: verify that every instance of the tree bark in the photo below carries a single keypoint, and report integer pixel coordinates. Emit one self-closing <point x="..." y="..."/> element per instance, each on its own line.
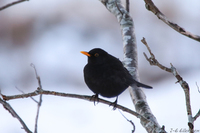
<point x="131" y="63"/>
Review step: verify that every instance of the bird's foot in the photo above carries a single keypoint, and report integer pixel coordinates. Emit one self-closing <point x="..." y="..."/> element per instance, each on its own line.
<point x="114" y="104"/>
<point x="95" y="98"/>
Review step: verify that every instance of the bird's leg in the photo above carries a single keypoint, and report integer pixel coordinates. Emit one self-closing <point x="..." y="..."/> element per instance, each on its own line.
<point x="95" y="98"/>
<point x="114" y="104"/>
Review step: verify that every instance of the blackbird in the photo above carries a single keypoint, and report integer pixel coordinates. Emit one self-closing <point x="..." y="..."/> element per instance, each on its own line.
<point x="105" y="75"/>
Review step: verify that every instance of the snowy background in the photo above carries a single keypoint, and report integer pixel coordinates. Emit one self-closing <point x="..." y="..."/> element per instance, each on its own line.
<point x="52" y="33"/>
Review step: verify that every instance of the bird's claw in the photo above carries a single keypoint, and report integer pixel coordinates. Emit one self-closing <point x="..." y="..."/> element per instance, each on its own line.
<point x="95" y="98"/>
<point x="114" y="104"/>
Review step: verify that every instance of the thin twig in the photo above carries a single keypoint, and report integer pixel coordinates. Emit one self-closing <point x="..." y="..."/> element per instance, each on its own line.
<point x="197" y="87"/>
<point x="152" y="60"/>
<point x="37" y="77"/>
<point x="24" y="93"/>
<point x="127" y="5"/>
<point x="151" y="7"/>
<point x="37" y="115"/>
<point x="14" y="114"/>
<point x="11" y="4"/>
<point x="118" y="8"/>
<point x="128" y="121"/>
<point x="40" y="100"/>
<point x="197" y="115"/>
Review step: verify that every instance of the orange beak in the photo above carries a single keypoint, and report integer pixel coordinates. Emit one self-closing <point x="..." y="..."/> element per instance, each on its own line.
<point x="85" y="53"/>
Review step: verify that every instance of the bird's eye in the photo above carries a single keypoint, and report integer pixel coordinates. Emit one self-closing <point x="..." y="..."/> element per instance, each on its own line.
<point x="96" y="54"/>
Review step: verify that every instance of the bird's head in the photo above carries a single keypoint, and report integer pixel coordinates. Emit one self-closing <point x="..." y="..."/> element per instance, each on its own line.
<point x="96" y="56"/>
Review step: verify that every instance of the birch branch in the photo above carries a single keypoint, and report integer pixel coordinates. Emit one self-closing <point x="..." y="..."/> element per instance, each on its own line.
<point x="151" y="7"/>
<point x="131" y="63"/>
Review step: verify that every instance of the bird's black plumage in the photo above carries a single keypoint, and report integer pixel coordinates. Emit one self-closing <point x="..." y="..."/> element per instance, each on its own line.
<point x="105" y="75"/>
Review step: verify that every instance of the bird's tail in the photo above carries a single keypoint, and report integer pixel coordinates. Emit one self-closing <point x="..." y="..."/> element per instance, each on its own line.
<point x="143" y="85"/>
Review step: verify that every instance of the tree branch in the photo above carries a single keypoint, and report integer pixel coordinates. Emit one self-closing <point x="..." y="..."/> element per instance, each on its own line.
<point x="11" y="4"/>
<point x="152" y="60"/>
<point x="83" y="97"/>
<point x="128" y="121"/>
<point x="40" y="100"/>
<point x="197" y="115"/>
<point x="151" y="7"/>
<point x="183" y="84"/>
<point x="197" y="87"/>
<point x="131" y="62"/>
<point x="40" y="91"/>
<point x="24" y="93"/>
<point x="14" y="114"/>
<point x="186" y="89"/>
<point x="127" y="5"/>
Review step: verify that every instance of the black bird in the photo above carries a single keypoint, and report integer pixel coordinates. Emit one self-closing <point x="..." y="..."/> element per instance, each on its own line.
<point x="105" y="75"/>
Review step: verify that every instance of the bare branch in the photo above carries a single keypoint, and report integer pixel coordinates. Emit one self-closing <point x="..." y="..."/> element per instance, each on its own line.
<point x="37" y="115"/>
<point x="128" y="121"/>
<point x="11" y="4"/>
<point x="151" y="7"/>
<point x="186" y="89"/>
<point x="183" y="84"/>
<point x="127" y="5"/>
<point x="88" y="98"/>
<point x="198" y="87"/>
<point x="197" y="115"/>
<point x="37" y="77"/>
<point x="14" y="114"/>
<point x="40" y="100"/>
<point x="24" y="93"/>
<point x="152" y="60"/>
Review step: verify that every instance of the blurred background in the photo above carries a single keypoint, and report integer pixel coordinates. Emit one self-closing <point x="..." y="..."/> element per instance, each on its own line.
<point x="50" y="34"/>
